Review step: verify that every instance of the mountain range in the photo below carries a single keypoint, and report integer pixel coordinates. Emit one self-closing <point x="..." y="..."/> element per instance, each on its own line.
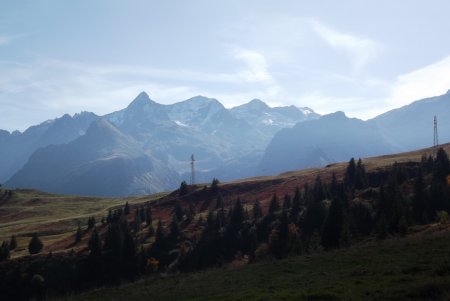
<point x="143" y="148"/>
<point x="146" y="147"/>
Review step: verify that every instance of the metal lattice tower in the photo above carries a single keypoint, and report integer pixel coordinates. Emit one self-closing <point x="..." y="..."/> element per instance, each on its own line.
<point x="192" y="170"/>
<point x="436" y="139"/>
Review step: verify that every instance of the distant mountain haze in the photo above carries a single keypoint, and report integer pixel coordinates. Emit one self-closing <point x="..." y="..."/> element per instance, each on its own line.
<point x="335" y="137"/>
<point x="146" y="147"/>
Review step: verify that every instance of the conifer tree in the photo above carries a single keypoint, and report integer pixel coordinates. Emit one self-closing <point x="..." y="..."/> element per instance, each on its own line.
<point x="350" y="173"/>
<point x="333" y="226"/>
<point x="360" y="175"/>
<point x="13" y="243"/>
<point x="148" y="216"/>
<point x="174" y="228"/>
<point x="215" y="186"/>
<point x="419" y="206"/>
<point x="126" y="209"/>
<point x="296" y="207"/>
<point x="4" y="251"/>
<point x="441" y="166"/>
<point x="78" y="234"/>
<point x="220" y="202"/>
<point x="257" y="212"/>
<point x="183" y="188"/>
<point x="94" y="244"/>
<point x="178" y="211"/>
<point x="287" y="202"/>
<point x="274" y="204"/>
<point x="91" y="222"/>
<point x="35" y="246"/>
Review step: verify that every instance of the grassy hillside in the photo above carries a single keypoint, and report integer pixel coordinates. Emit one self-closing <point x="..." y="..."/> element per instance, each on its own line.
<point x="54" y="217"/>
<point x="413" y="268"/>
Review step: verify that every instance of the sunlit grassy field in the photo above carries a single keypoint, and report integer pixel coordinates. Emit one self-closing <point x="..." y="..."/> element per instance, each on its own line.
<point x="54" y="217"/>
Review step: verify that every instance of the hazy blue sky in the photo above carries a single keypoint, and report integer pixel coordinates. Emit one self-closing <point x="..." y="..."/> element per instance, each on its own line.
<point x="361" y="57"/>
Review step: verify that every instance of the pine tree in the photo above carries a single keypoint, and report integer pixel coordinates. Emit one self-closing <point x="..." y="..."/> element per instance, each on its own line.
<point x="78" y="234"/>
<point x="94" y="244"/>
<point x="419" y="199"/>
<point x="35" y="246"/>
<point x="287" y="202"/>
<point x="137" y="221"/>
<point x="126" y="209"/>
<point x="215" y="186"/>
<point x="183" y="188"/>
<point x="174" y="228"/>
<point x="91" y="222"/>
<point x="350" y="173"/>
<point x="148" y="216"/>
<point x="360" y="175"/>
<point x="296" y="207"/>
<point x="441" y="167"/>
<point x="220" y="202"/>
<point x="4" y="251"/>
<point x="257" y="212"/>
<point x="129" y="246"/>
<point x="159" y="233"/>
<point x="178" y="211"/>
<point x="274" y="204"/>
<point x="13" y="243"/>
<point x="333" y="226"/>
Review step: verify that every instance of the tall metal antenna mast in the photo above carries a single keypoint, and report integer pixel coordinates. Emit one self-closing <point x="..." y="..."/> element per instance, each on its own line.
<point x="192" y="170"/>
<point x="436" y="139"/>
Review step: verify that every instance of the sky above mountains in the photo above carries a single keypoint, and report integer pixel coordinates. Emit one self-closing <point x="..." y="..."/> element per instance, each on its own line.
<point x="362" y="57"/>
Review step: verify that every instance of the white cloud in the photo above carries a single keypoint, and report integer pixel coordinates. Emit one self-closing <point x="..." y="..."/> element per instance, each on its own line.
<point x="359" y="50"/>
<point x="431" y="80"/>
<point x="256" y="63"/>
<point x="45" y="89"/>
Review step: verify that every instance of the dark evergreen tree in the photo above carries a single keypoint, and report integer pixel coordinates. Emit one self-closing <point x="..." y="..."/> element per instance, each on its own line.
<point x="109" y="218"/>
<point x="296" y="206"/>
<point x="419" y="203"/>
<point x="142" y="213"/>
<point x="4" y="251"/>
<point x="94" y="244"/>
<point x="333" y="185"/>
<point x="332" y="230"/>
<point x="137" y="221"/>
<point x="278" y="242"/>
<point x="126" y="209"/>
<point x="91" y="222"/>
<point x="35" y="246"/>
<point x="183" y="188"/>
<point x="441" y="166"/>
<point x="178" y="211"/>
<point x="78" y="234"/>
<point x="129" y="246"/>
<point x="220" y="202"/>
<point x="287" y="204"/>
<point x="148" y="216"/>
<point x="160" y="237"/>
<point x="174" y="228"/>
<point x="13" y="243"/>
<point x="114" y="238"/>
<point x="350" y="174"/>
<point x="215" y="186"/>
<point x="274" y="205"/>
<point x="257" y="212"/>
<point x="360" y="175"/>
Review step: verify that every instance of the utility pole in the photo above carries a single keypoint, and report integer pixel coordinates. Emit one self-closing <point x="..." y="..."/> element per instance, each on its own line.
<point x="192" y="170"/>
<point x="436" y="139"/>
